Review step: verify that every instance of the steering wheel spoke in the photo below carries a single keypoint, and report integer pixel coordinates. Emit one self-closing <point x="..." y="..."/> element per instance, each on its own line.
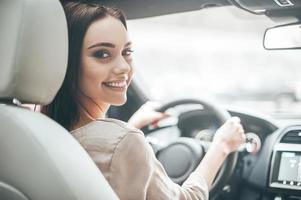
<point x="205" y="145"/>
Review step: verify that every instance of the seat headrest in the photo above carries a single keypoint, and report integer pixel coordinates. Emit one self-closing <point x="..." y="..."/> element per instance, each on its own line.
<point x="33" y="50"/>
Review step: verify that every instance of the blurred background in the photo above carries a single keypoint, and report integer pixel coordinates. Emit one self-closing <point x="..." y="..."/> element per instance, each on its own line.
<point x="216" y="53"/>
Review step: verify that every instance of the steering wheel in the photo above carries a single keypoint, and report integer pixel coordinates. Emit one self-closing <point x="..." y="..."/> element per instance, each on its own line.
<point x="182" y="156"/>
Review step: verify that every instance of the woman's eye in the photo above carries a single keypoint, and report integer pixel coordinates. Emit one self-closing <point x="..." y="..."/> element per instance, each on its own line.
<point x="101" y="54"/>
<point x="127" y="52"/>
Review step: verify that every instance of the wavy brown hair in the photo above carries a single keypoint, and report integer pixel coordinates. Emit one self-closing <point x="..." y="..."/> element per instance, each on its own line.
<point x="64" y="109"/>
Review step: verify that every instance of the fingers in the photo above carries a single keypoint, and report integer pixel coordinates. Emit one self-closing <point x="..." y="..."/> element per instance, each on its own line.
<point x="243" y="137"/>
<point x="240" y="131"/>
<point x="153" y="105"/>
<point x="157" y="116"/>
<point x="231" y="134"/>
<point x="234" y="120"/>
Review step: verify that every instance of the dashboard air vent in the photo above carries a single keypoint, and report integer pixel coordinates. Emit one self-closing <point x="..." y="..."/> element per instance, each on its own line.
<point x="292" y="137"/>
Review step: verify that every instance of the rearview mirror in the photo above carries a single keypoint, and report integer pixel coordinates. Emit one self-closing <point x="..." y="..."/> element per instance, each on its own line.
<point x="283" y="37"/>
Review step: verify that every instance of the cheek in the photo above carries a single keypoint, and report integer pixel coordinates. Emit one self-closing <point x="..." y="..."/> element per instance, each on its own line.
<point x="92" y="75"/>
<point x="131" y="71"/>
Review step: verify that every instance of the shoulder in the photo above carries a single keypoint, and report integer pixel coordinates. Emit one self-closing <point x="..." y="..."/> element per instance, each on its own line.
<point x="133" y="155"/>
<point x="103" y="134"/>
<point x="104" y="127"/>
<point x="133" y="149"/>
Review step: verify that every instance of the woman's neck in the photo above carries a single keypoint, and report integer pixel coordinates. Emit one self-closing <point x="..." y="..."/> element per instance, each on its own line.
<point x="86" y="117"/>
<point x="89" y="111"/>
<point x="83" y="120"/>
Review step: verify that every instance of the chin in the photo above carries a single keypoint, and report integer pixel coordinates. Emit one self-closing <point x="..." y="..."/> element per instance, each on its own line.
<point x="118" y="102"/>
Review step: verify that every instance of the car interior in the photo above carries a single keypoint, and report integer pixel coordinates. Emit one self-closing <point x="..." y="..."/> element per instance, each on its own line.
<point x="41" y="160"/>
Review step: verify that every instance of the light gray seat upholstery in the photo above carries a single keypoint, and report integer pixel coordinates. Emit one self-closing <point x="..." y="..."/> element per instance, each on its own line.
<point x="39" y="160"/>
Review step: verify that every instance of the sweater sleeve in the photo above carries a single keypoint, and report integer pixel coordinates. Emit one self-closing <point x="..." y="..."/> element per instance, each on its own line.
<point x="136" y="174"/>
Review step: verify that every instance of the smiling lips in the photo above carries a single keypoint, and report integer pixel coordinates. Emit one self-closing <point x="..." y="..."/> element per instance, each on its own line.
<point x="119" y="85"/>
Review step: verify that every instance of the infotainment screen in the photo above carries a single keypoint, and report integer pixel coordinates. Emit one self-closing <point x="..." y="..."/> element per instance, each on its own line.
<point x="290" y="167"/>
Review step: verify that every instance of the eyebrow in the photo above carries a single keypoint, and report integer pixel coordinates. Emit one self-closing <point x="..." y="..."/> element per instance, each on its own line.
<point x="102" y="44"/>
<point x="106" y="44"/>
<point x="128" y="44"/>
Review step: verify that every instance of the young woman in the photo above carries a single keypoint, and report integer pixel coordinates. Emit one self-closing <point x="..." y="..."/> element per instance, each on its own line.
<point x="98" y="75"/>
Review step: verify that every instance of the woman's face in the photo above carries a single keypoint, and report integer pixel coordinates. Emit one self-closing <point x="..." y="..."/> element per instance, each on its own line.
<point x="106" y="62"/>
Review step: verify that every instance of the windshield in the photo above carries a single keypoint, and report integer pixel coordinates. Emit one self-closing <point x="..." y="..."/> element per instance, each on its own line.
<point x="216" y="53"/>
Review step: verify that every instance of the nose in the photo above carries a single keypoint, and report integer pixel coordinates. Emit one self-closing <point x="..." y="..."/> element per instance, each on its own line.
<point x="122" y="66"/>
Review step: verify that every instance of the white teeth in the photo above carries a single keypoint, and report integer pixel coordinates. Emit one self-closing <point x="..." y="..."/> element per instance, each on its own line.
<point x="120" y="84"/>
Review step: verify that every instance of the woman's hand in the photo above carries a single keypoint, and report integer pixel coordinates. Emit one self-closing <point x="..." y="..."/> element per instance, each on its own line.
<point x="147" y="114"/>
<point x="230" y="136"/>
<point x="226" y="139"/>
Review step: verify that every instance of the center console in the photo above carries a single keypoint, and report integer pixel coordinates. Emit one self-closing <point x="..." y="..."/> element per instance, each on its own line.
<point x="285" y="168"/>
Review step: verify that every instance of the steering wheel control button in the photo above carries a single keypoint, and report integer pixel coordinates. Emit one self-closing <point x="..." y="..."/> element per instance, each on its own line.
<point x="180" y="158"/>
<point x="171" y="156"/>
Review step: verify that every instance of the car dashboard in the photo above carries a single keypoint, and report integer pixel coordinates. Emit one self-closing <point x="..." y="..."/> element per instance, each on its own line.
<point x="273" y="171"/>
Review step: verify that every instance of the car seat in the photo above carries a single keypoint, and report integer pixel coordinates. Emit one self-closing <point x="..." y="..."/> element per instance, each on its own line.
<point x="39" y="159"/>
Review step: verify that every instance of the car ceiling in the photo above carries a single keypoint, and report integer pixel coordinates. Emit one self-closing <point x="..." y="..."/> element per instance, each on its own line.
<point x="148" y="8"/>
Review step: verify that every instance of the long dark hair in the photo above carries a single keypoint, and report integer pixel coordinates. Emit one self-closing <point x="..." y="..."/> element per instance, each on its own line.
<point x="64" y="108"/>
